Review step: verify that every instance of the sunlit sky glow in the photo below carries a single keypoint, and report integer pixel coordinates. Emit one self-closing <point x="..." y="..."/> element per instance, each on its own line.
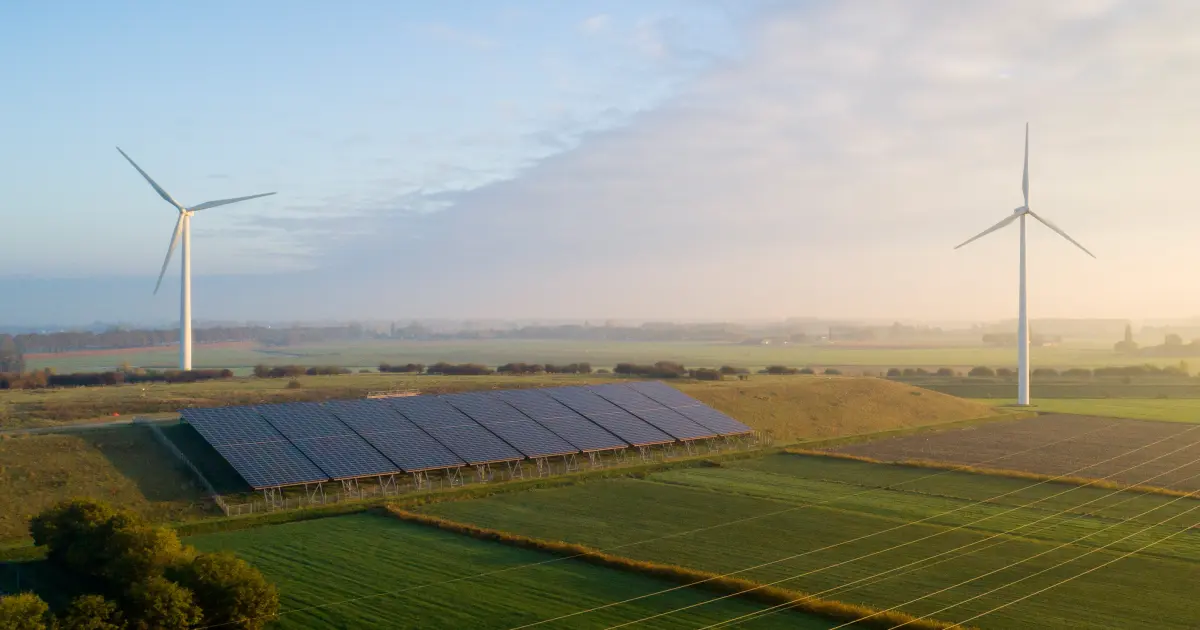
<point x="648" y="158"/>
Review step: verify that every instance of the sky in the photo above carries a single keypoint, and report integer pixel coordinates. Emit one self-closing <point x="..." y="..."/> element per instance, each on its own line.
<point x="638" y="159"/>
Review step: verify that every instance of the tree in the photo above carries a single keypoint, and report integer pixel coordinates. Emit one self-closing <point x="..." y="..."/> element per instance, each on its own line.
<point x="92" y="612"/>
<point x="945" y="372"/>
<point x="138" y="551"/>
<point x="229" y="591"/>
<point x="1173" y="340"/>
<point x="74" y="533"/>
<point x="894" y="372"/>
<point x="262" y="371"/>
<point x="25" y="611"/>
<point x="833" y="372"/>
<point x="981" y="371"/>
<point x="160" y="604"/>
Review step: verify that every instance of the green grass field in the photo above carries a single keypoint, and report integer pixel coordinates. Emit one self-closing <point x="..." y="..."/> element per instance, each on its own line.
<point x="602" y="354"/>
<point x="371" y="559"/>
<point x="1148" y="589"/>
<point x="1168" y="409"/>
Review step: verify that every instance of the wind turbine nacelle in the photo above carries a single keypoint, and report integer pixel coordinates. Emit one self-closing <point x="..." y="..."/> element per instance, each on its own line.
<point x="1022" y="210"/>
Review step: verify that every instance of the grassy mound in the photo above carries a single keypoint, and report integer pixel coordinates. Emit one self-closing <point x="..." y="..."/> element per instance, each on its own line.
<point x="124" y="466"/>
<point x="809" y="407"/>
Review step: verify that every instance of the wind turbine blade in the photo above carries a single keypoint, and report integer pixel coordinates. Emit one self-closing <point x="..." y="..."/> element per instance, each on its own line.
<point x="221" y="202"/>
<point x="1025" y="176"/>
<point x="1006" y="221"/>
<point x="170" y="250"/>
<point x="1061" y="233"/>
<point x="161" y="193"/>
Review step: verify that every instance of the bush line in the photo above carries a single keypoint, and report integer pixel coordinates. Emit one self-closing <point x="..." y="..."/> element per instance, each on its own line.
<point x="997" y="472"/>
<point x="705" y="580"/>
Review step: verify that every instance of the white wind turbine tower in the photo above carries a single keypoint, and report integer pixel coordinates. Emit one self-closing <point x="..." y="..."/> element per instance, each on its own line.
<point x="1023" y="316"/>
<point x="183" y="228"/>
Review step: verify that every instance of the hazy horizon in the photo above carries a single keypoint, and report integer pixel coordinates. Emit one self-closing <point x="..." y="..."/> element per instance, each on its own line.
<point x="650" y="160"/>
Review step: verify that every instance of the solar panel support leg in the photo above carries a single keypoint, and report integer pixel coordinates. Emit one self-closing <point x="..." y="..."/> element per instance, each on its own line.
<point x="543" y="466"/>
<point x="594" y="460"/>
<point x="714" y="444"/>
<point x="350" y="488"/>
<point x="483" y="473"/>
<point x="316" y="494"/>
<point x="668" y="450"/>
<point x="620" y="456"/>
<point x="690" y="448"/>
<point x="387" y="484"/>
<point x="271" y="496"/>
<point x="570" y="463"/>
<point x="420" y="480"/>
<point x="644" y="451"/>
<point x="516" y="470"/>
<point x="454" y="476"/>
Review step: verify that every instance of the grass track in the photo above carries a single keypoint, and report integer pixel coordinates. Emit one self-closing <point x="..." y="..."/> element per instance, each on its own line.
<point x="332" y="559"/>
<point x="1166" y="409"/>
<point x="1142" y="588"/>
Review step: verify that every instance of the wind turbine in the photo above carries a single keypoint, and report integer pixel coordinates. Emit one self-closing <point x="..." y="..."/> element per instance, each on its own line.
<point x="183" y="228"/>
<point x="1023" y="316"/>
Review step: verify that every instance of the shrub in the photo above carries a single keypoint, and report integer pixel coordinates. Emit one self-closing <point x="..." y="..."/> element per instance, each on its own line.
<point x="281" y="371"/>
<point x="294" y="384"/>
<point x="25" y="611"/>
<point x="262" y="371"/>
<point x="1004" y="372"/>
<point x="326" y="370"/>
<point x="945" y="372"/>
<point x="981" y="371"/>
<point x="407" y="368"/>
<point x="1045" y="372"/>
<point x="521" y="368"/>
<point x="570" y="368"/>
<point x="92" y="612"/>
<point x="1077" y="373"/>
<point x="229" y="591"/>
<point x="461" y="369"/>
<point x="706" y="374"/>
<point x="910" y="372"/>
<point x="729" y="369"/>
<point x="832" y="372"/>
<point x="894" y="372"/>
<point x="661" y="369"/>
<point x="806" y="371"/>
<point x="780" y="369"/>
<point x="161" y="604"/>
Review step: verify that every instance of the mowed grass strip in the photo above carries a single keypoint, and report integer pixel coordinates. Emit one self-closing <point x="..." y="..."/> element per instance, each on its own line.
<point x="613" y="513"/>
<point x="123" y="465"/>
<point x="723" y="586"/>
<point x="372" y="559"/>
<point x="1164" y="409"/>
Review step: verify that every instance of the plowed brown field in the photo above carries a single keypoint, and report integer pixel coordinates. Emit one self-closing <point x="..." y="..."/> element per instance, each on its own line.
<point x="1095" y="440"/>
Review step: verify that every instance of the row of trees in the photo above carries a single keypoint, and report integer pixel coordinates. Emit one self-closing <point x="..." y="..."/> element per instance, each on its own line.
<point x="292" y="371"/>
<point x="40" y="379"/>
<point x="981" y="371"/>
<point x="12" y="360"/>
<point x="137" y="576"/>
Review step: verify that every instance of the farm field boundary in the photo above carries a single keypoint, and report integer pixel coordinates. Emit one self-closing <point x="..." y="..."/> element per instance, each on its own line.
<point x="1159" y="409"/>
<point x="1008" y="473"/>
<point x="704" y="580"/>
<point x="846" y="440"/>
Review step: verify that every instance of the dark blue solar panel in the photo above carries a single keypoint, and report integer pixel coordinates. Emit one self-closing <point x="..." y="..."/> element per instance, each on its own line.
<point x="372" y="415"/>
<point x="303" y="420"/>
<point x="474" y="444"/>
<point x="429" y="411"/>
<point x="231" y="425"/>
<point x="617" y="421"/>
<point x="697" y="411"/>
<point x="345" y="456"/>
<point x="572" y="427"/>
<point x="268" y="464"/>
<point x="512" y="426"/>
<point x="414" y="450"/>
<point x="666" y="420"/>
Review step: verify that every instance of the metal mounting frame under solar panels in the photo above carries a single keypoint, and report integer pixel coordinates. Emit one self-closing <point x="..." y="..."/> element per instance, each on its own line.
<point x="259" y="453"/>
<point x="455" y="430"/>
<point x="614" y="419"/>
<point x="699" y="412"/>
<point x="510" y="425"/>
<point x="565" y="422"/>
<point x="327" y="441"/>
<point x="667" y="420"/>
<point x="401" y="441"/>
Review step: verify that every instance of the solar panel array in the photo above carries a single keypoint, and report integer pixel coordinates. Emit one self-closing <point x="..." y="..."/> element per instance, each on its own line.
<point x="296" y="443"/>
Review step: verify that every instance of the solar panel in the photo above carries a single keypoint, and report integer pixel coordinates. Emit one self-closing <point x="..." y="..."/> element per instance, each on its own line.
<point x="303" y="420"/>
<point x="666" y="420"/>
<point x="269" y="464"/>
<point x="474" y="444"/>
<point x="512" y="426"/>
<point x="346" y="456"/>
<point x="429" y="411"/>
<point x="617" y="421"/>
<point x="371" y="415"/>
<point x="697" y="411"/>
<point x="582" y="433"/>
<point x="413" y="450"/>
<point x="231" y="425"/>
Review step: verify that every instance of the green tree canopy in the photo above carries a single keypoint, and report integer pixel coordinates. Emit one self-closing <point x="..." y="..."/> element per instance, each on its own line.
<point x="230" y="591"/>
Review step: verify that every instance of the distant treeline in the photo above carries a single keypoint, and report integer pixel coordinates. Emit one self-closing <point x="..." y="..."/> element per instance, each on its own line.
<point x="71" y="341"/>
<point x="981" y="371"/>
<point x="282" y="371"/>
<point x="45" y="378"/>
